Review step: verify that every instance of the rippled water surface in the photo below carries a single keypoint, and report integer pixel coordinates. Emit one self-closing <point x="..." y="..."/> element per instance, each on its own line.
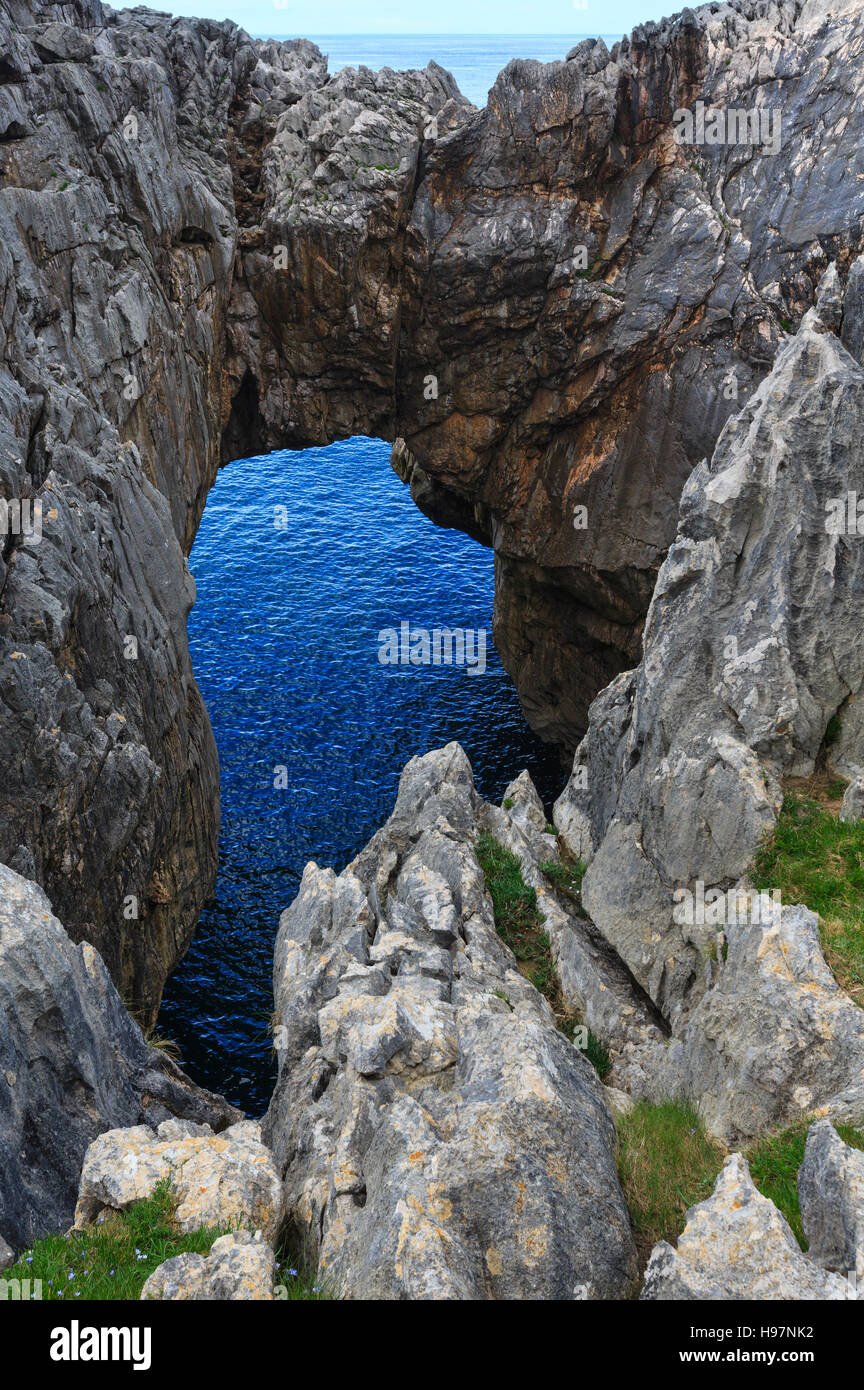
<point x="475" y="60"/>
<point x="302" y="558"/>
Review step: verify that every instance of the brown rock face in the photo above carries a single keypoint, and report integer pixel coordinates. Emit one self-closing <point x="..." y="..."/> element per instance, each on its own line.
<point x="209" y="248"/>
<point x="553" y="302"/>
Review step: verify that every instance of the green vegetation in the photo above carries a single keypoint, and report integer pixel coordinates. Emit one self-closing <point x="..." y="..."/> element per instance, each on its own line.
<point x="593" y="1049"/>
<point x="520" y="924"/>
<point x="666" y="1163"/>
<point x="814" y="858"/>
<point x="518" y="919"/>
<point x="113" y="1258"/>
<point x="774" y="1163"/>
<point x="716" y="951"/>
<point x="836" y="788"/>
<point x="567" y="877"/>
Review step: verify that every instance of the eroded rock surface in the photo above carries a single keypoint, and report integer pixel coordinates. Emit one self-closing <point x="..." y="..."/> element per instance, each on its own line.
<point x="773" y="1039"/>
<point x="72" y="1064"/>
<point x="737" y="1245"/>
<point x="550" y="302"/>
<point x="225" y="1179"/>
<point x="831" y="1193"/>
<point x="211" y="247"/>
<point x="751" y="650"/>
<point x="600" y="383"/>
<point x="439" y="1137"/>
<point x="116" y="256"/>
<point x="238" y="1266"/>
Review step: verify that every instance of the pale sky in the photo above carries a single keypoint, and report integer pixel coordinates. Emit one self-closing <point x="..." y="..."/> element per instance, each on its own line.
<point x="295" y="18"/>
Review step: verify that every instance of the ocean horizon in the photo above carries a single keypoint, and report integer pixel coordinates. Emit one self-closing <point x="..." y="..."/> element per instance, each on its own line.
<point x="475" y="60"/>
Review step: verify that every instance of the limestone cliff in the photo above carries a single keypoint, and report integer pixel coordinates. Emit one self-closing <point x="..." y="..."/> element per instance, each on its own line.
<point x="210" y="247"/>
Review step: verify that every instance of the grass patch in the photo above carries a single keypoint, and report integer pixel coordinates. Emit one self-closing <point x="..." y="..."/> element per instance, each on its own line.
<point x="113" y="1258"/>
<point x="598" y="1056"/>
<point x="814" y="858"/>
<point x="666" y="1163"/>
<point x="518" y="919"/>
<point x="520" y="924"/>
<point x="567" y="878"/>
<point x="774" y="1162"/>
<point x="593" y="1047"/>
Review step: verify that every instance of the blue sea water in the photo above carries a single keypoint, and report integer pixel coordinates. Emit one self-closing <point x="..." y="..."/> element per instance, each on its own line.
<point x="301" y="560"/>
<point x="475" y="60"/>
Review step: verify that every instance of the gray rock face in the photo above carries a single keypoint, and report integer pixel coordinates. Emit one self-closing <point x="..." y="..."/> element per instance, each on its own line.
<point x="439" y="1137"/>
<point x="285" y="71"/>
<point x="595" y="984"/>
<point x="239" y="1266"/>
<point x="750" y="650"/>
<point x="72" y="1064"/>
<point x="773" y="1039"/>
<point x="116" y="255"/>
<point x="616" y="371"/>
<point x="209" y="247"/>
<point x="7" y="1255"/>
<point x="831" y="1193"/>
<point x="316" y="311"/>
<point x="853" y="800"/>
<point x="737" y="1245"/>
<point x="225" y="1179"/>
